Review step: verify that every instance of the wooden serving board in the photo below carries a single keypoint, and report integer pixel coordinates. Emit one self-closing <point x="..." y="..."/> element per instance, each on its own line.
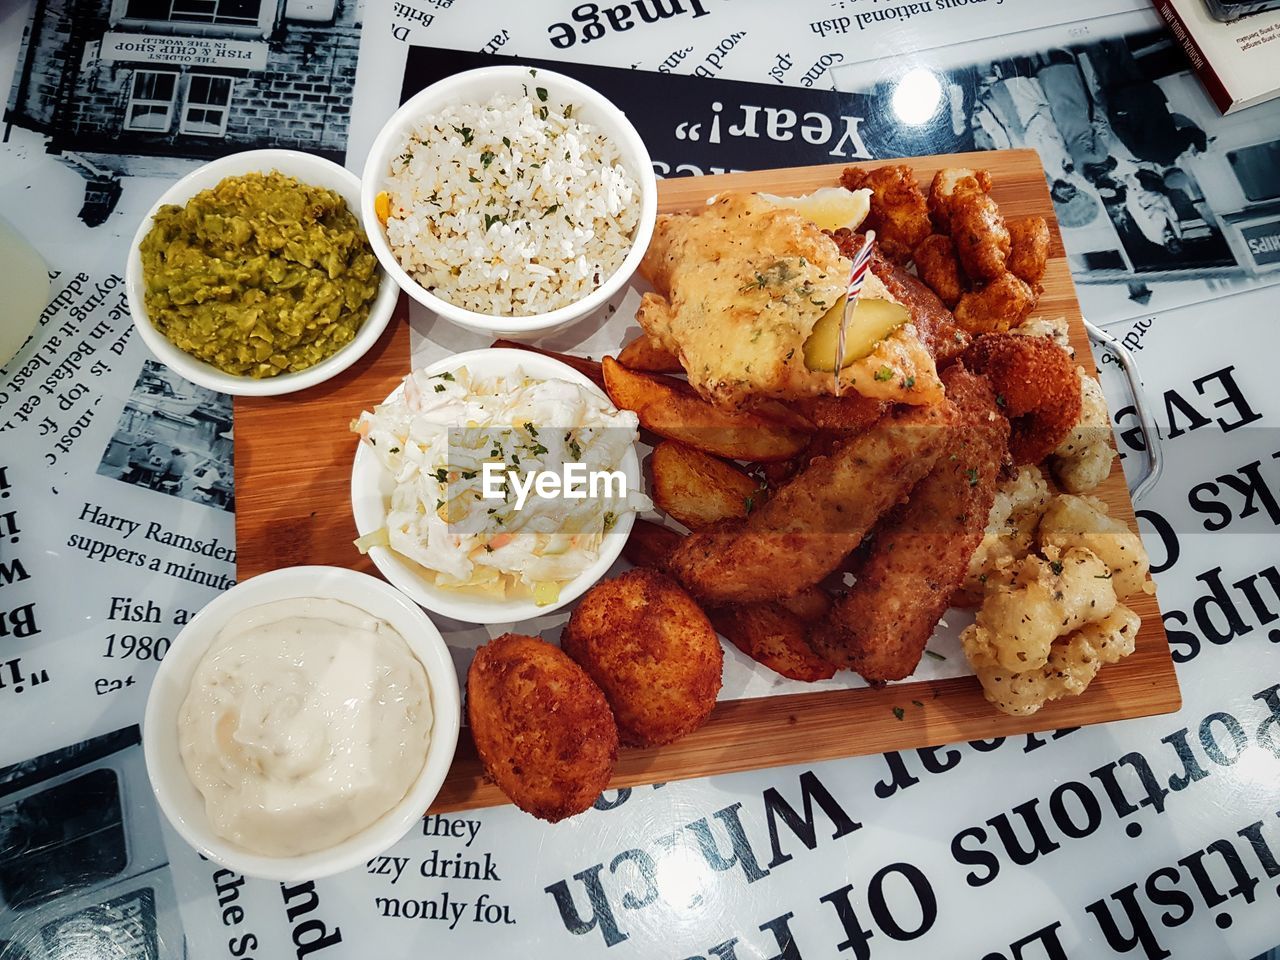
<point x="293" y="466"/>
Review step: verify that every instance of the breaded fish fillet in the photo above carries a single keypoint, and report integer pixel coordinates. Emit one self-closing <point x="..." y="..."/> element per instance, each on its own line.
<point x="806" y="529"/>
<point x="921" y="551"/>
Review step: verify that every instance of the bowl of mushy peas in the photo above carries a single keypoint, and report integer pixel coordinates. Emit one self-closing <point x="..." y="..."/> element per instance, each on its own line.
<point x="253" y="275"/>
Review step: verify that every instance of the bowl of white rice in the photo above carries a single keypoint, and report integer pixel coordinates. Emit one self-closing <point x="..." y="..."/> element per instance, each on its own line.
<point x="512" y="201"/>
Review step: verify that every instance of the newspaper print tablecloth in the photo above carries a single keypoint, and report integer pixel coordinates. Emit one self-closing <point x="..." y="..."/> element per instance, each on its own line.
<point x="1150" y="838"/>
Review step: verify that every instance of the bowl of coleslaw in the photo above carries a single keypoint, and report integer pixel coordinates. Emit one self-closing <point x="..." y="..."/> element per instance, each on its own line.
<point x="449" y="495"/>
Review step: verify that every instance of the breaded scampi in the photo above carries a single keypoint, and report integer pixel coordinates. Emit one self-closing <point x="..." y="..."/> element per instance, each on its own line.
<point x="946" y="183"/>
<point x="939" y="269"/>
<point x="1003" y="303"/>
<point x="1029" y="249"/>
<point x="1037" y="387"/>
<point x="899" y="214"/>
<point x="981" y="236"/>
<point x="804" y="531"/>
<point x="921" y="551"/>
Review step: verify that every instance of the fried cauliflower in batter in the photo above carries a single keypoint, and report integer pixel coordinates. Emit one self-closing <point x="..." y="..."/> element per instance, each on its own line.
<point x="1010" y="535"/>
<point x="1082" y="523"/>
<point x="1083" y="460"/>
<point x="1073" y="663"/>
<point x="1035" y="602"/>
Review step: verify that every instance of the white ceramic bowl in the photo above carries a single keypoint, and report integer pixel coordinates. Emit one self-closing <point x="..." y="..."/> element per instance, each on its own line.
<point x="477" y="86"/>
<point x="371" y="488"/>
<point x="183" y="804"/>
<point x="308" y="169"/>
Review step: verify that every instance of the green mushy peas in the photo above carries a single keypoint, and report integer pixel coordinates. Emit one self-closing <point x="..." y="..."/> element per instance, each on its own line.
<point x="260" y="275"/>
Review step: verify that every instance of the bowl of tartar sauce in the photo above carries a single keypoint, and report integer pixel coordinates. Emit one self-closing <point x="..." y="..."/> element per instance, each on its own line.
<point x="301" y="723"/>
<point x="426" y="519"/>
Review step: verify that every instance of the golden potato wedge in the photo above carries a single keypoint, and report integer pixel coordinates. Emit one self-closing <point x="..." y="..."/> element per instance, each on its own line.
<point x="773" y="636"/>
<point x="588" y="368"/>
<point x="647" y="355"/>
<point x="671" y="409"/>
<point x="810" y="604"/>
<point x="650" y="544"/>
<point x="698" y="489"/>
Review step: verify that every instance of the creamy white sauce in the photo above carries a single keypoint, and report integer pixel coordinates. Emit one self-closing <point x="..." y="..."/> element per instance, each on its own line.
<point x="306" y="721"/>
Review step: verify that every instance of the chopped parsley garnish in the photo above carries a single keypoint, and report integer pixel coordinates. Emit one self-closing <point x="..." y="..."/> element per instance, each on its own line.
<point x="394" y="450"/>
<point x="899" y="713"/>
<point x="442" y="475"/>
<point x="439" y="504"/>
<point x="468" y="474"/>
<point x="610" y="519"/>
<point x="749" y="503"/>
<point x="440" y="388"/>
<point x="491" y="218"/>
<point x="935" y="656"/>
<point x="568" y="110"/>
<point x="541" y="92"/>
<point x="506" y="142"/>
<point x="474" y="179"/>
<point x="917" y="703"/>
<point x="486" y="158"/>
<point x="445" y="376"/>
<point x="542" y="113"/>
<point x="1102" y="576"/>
<point x="759" y="283"/>
<point x="551" y="209"/>
<point x="531" y="429"/>
<point x="539" y="450"/>
<point x="883" y="374"/>
<point x="999" y="399"/>
<point x="972" y="474"/>
<point x="909" y="383"/>
<point x="1056" y="567"/>
<point x="466" y="133"/>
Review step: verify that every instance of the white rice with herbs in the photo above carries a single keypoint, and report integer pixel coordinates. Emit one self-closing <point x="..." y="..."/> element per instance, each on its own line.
<point x="510" y="208"/>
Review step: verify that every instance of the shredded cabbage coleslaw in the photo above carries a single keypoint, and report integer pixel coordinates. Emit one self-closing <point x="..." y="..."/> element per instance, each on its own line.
<point x="434" y="437"/>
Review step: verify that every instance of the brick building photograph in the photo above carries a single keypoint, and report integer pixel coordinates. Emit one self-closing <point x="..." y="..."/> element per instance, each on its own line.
<point x="151" y="87"/>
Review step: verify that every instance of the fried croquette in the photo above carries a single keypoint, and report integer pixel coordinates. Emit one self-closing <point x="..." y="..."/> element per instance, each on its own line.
<point x="899" y="214"/>
<point x="1003" y="303"/>
<point x="1029" y="249"/>
<point x="650" y="544"/>
<point x="943" y="189"/>
<point x="921" y="551"/>
<point x="1036" y="386"/>
<point x="653" y="652"/>
<point x="939" y="269"/>
<point x="541" y="726"/>
<point x="804" y="531"/>
<point x="981" y="236"/>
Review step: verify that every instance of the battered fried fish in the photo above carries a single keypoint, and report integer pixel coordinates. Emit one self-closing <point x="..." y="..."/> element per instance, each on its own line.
<point x="806" y="529"/>
<point x="741" y="287"/>
<point x="934" y="324"/>
<point x="899" y="214"/>
<point x="921" y="550"/>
